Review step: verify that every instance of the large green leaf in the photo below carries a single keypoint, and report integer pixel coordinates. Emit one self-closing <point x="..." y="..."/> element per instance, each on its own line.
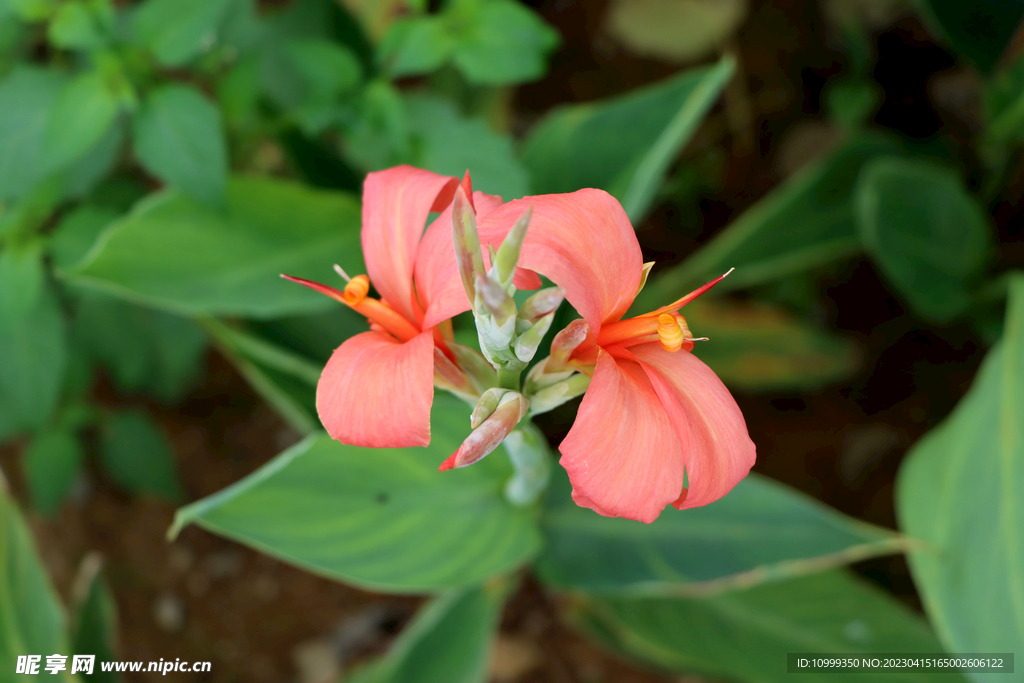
<point x="31" y="616"/>
<point x="95" y="617"/>
<point x="805" y="222"/>
<point x="189" y="258"/>
<point x="178" y="138"/>
<point x="761" y="531"/>
<point x="385" y="519"/>
<point x="927" y="234"/>
<point x="960" y="490"/>
<point x="624" y="144"/>
<point x="759" y="347"/>
<point x="28" y="95"/>
<point x="745" y="635"/>
<point x="451" y="144"/>
<point x="449" y="640"/>
<point x="33" y="355"/>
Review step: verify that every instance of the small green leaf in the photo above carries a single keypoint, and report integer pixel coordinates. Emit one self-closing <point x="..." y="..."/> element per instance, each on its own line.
<point x="448" y="640"/>
<point x="178" y="30"/>
<point x="416" y="45"/>
<point x="761" y="531"/>
<point x="22" y="279"/>
<point x="81" y="116"/>
<point x="146" y="350"/>
<point x="33" y="356"/>
<point x="192" y="259"/>
<point x="500" y="42"/>
<point x="927" y="234"/>
<point x="759" y="347"/>
<point x="79" y="25"/>
<point x="959" y="490"/>
<point x="138" y="456"/>
<point x="805" y="222"/>
<point x="979" y="30"/>
<point x="31" y="617"/>
<point x="383" y="519"/>
<point x="52" y="463"/>
<point x="744" y="635"/>
<point x="28" y="94"/>
<point x="178" y="138"/>
<point x="624" y="144"/>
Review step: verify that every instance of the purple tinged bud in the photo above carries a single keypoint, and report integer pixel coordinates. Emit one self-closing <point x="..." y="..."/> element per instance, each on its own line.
<point x="512" y="407"/>
<point x="467" y="242"/>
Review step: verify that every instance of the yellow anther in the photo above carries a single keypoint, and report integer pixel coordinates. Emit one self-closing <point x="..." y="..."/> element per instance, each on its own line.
<point x="670" y="333"/>
<point x="356" y="290"/>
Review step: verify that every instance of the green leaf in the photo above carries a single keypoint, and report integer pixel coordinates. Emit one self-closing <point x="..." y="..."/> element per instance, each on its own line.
<point x="500" y="42"/>
<point x="804" y="223"/>
<point x="328" y="68"/>
<point x="77" y="232"/>
<point x="761" y="531"/>
<point x="979" y="30"/>
<point x="315" y="335"/>
<point x="960" y="491"/>
<point x="744" y="635"/>
<point x="81" y="25"/>
<point x="1004" y="104"/>
<point x="81" y="116"/>
<point x="52" y="463"/>
<point x="624" y="144"/>
<point x="22" y="279"/>
<point x="383" y="519"/>
<point x="178" y="138"/>
<point x="192" y="259"/>
<point x="416" y="45"/>
<point x="436" y="124"/>
<point x="82" y="176"/>
<point x="138" y="456"/>
<point x="178" y="30"/>
<point x="95" y="618"/>
<point x="33" y="356"/>
<point x="31" y="616"/>
<point x="927" y="235"/>
<point x="448" y="640"/>
<point x="28" y="94"/>
<point x="759" y="347"/>
<point x="145" y="350"/>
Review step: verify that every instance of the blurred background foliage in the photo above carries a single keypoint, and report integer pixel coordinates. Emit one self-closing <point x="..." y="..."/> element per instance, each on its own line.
<point x="161" y="162"/>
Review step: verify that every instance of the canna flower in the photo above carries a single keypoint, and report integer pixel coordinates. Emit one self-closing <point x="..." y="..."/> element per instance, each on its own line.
<point x="378" y="386"/>
<point x="656" y="426"/>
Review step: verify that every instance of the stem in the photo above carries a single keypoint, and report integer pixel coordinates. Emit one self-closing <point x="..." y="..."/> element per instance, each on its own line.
<point x="528" y="450"/>
<point x="509" y="379"/>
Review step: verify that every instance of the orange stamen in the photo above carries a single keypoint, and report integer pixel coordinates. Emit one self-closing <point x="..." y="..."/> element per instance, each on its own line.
<point x="355" y="298"/>
<point x="628" y="329"/>
<point x="670" y="334"/>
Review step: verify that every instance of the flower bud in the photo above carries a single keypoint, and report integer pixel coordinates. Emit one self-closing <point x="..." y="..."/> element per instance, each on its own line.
<point x="467" y="242"/>
<point x="507" y="258"/>
<point x="486" y="406"/>
<point x="550" y="397"/>
<point x="542" y="302"/>
<point x="565" y="342"/>
<point x="512" y="407"/>
<point x="528" y="342"/>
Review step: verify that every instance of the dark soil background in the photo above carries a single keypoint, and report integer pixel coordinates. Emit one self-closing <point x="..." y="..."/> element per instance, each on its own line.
<point x="256" y="619"/>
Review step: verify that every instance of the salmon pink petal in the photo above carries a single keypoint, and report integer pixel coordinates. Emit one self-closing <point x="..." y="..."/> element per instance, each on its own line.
<point x="438" y="282"/>
<point x="717" y="449"/>
<point x="396" y="203"/>
<point x="376" y="391"/>
<point x="622" y="455"/>
<point x="584" y="242"/>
